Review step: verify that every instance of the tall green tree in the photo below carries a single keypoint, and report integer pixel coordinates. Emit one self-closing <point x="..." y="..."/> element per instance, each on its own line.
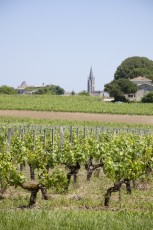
<point x="133" y="67"/>
<point x="118" y="88"/>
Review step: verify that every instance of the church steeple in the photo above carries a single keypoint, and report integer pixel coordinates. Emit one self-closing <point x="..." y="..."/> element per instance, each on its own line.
<point x="91" y="82"/>
<point x="91" y="74"/>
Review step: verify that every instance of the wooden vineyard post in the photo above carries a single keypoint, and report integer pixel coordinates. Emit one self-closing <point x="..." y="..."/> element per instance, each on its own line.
<point x="32" y="174"/>
<point x="22" y="165"/>
<point x="77" y="133"/>
<point x="61" y="137"/>
<point x="9" y="136"/>
<point x="70" y="134"/>
<point x="10" y="133"/>
<point x="91" y="130"/>
<point x="96" y="133"/>
<point x="53" y="138"/>
<point x="84" y="133"/>
<point x="45" y="139"/>
<point x="40" y="129"/>
<point x="42" y="188"/>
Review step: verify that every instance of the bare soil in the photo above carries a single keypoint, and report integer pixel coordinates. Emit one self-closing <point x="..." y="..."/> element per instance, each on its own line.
<point x="129" y="119"/>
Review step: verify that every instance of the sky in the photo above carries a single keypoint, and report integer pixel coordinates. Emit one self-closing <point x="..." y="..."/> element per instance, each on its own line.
<point x="57" y="41"/>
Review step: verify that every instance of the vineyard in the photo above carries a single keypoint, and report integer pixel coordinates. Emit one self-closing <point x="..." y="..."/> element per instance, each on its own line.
<point x="39" y="159"/>
<point x="84" y="104"/>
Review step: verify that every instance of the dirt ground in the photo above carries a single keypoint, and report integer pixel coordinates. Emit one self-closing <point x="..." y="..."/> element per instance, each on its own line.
<point x="129" y="119"/>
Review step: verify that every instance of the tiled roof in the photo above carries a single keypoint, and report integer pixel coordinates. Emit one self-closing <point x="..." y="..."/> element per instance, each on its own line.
<point x="140" y="78"/>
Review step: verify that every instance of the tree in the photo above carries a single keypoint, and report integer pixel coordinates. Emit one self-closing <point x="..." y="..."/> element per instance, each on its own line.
<point x="4" y="89"/>
<point x="58" y="90"/>
<point x="133" y="67"/>
<point x="72" y="93"/>
<point x="83" y="93"/>
<point x="41" y="91"/>
<point x="118" y="88"/>
<point x="148" y="98"/>
<point x="52" y="89"/>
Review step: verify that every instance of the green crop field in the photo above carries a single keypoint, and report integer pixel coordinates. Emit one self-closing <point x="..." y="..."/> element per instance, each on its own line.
<point x="18" y="121"/>
<point x="82" y="205"/>
<point x="85" y="104"/>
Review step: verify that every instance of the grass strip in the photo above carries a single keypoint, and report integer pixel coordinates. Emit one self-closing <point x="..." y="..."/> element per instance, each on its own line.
<point x="75" y="220"/>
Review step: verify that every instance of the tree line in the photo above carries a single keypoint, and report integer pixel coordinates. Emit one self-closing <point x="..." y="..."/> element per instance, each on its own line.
<point x="53" y="89"/>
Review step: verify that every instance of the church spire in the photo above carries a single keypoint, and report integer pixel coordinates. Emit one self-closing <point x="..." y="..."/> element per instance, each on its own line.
<point x="91" y="82"/>
<point x="91" y="74"/>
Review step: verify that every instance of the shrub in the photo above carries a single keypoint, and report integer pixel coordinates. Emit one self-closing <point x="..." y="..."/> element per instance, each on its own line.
<point x="148" y="98"/>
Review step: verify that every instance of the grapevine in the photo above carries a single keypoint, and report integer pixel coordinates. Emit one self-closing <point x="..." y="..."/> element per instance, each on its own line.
<point x="123" y="157"/>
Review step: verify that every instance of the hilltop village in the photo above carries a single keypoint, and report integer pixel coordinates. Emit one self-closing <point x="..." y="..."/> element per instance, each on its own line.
<point x="144" y="85"/>
<point x="133" y="80"/>
<point x="24" y="88"/>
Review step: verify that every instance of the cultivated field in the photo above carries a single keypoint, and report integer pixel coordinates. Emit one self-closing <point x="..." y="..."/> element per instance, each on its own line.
<point x="82" y="205"/>
<point x="83" y="104"/>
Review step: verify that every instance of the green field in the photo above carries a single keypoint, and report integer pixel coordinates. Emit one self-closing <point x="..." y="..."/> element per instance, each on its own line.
<point x="12" y="121"/>
<point x="82" y="207"/>
<point x="85" y="104"/>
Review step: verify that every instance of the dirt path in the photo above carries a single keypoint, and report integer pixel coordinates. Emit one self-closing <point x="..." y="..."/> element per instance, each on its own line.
<point x="129" y="119"/>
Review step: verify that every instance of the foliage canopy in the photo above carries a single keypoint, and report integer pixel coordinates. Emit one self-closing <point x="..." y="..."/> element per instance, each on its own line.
<point x="148" y="98"/>
<point x="4" y="89"/>
<point x="83" y="93"/>
<point x="133" y="67"/>
<point x="52" y="89"/>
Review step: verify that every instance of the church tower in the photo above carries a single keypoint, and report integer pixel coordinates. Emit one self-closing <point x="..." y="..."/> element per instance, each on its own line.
<point x="91" y="82"/>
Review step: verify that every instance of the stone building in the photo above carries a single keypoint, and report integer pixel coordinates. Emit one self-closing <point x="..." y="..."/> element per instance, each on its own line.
<point x="145" y="85"/>
<point x="22" y="87"/>
<point x="28" y="89"/>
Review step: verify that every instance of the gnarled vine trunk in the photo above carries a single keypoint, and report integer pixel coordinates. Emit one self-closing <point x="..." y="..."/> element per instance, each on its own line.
<point x="116" y="188"/>
<point x="90" y="167"/>
<point x="33" y="187"/>
<point x="73" y="171"/>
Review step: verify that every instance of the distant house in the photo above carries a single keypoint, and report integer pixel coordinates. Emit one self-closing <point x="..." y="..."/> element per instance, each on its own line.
<point x="105" y="94"/>
<point x="145" y="85"/>
<point x="141" y="80"/>
<point x="28" y="89"/>
<point x="22" y="87"/>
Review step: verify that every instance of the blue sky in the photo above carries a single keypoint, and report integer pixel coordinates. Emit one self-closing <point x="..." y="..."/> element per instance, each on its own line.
<point x="57" y="41"/>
